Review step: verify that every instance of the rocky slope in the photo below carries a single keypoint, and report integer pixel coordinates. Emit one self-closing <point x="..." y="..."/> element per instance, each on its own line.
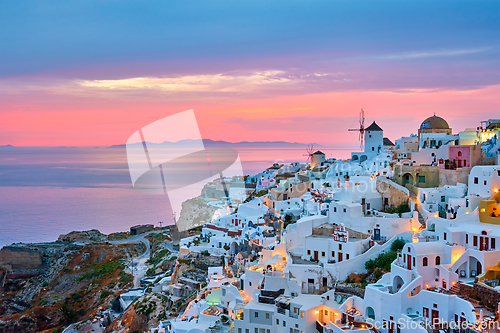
<point x="74" y="284"/>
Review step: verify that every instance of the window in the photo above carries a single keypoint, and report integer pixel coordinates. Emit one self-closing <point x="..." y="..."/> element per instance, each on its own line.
<point x="443" y="198"/>
<point x="485" y="182"/>
<point x="424" y="261"/>
<point x="256" y="314"/>
<point x="347" y="256"/>
<point x="340" y="247"/>
<point x="466" y="239"/>
<point x="256" y="330"/>
<point x="239" y="330"/>
<point x="373" y="148"/>
<point x="334" y="209"/>
<point x="333" y="254"/>
<point x="413" y="261"/>
<point x="247" y="330"/>
<point x="476" y="180"/>
<point x="284" y="323"/>
<point x="302" y="314"/>
<point x="475" y="241"/>
<point x="421" y="179"/>
<point x="326" y="312"/>
<point x="438" y="260"/>
<point x="367" y="206"/>
<point x="277" y="321"/>
<point x="323" y="253"/>
<point x="250" y="283"/>
<point x="308" y="252"/>
<point x="267" y="315"/>
<point x="444" y="236"/>
<point x="493" y="243"/>
<point x="345" y="210"/>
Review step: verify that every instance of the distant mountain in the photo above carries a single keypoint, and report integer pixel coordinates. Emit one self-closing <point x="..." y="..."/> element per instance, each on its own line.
<point x="6" y="146"/>
<point x="208" y="143"/>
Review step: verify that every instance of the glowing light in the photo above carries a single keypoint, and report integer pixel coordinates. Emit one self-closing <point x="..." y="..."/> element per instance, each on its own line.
<point x="483" y="210"/>
<point x="496" y="190"/>
<point x="316" y="312"/>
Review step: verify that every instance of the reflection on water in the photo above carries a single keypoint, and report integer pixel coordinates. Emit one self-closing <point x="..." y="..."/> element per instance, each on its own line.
<point x="45" y="192"/>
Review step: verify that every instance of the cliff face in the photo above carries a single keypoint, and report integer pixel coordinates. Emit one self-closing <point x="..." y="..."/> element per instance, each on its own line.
<point x="73" y="283"/>
<point x="20" y="258"/>
<point x="193" y="212"/>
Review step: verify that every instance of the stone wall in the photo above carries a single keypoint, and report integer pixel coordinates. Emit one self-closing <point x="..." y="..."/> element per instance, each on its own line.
<point x="452" y="177"/>
<point x="20" y="258"/>
<point x="482" y="293"/>
<point x="395" y="193"/>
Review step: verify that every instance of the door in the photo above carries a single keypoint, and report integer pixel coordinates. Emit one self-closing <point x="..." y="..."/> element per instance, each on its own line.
<point x="481" y="243"/>
<point x="435" y="316"/>
<point x="316" y="255"/>
<point x="376" y="234"/>
<point x="486" y="243"/>
<point x="408" y="261"/>
<point x="310" y="286"/>
<point x="479" y="269"/>
<point x="340" y="256"/>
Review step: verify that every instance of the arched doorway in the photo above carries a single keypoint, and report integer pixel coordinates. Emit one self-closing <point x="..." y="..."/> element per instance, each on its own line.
<point x="408" y="178"/>
<point x="397" y="284"/>
<point x="370" y="313"/>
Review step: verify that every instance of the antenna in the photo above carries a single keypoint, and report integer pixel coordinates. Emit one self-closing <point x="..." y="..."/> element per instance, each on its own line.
<point x="309" y="151"/>
<point x="361" y="128"/>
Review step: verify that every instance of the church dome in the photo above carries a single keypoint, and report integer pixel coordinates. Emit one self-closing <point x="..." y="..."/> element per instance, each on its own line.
<point x="434" y="122"/>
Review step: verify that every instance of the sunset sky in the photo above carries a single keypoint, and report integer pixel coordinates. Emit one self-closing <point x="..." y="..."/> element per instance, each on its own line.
<point x="90" y="73"/>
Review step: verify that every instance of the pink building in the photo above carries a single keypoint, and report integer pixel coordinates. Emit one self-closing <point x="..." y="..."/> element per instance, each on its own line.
<point x="464" y="156"/>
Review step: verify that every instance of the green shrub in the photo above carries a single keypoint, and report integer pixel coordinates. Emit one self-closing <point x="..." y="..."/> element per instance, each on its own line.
<point x="101" y="269"/>
<point x="105" y="294"/>
<point x="398" y="244"/>
<point x="383" y="261"/>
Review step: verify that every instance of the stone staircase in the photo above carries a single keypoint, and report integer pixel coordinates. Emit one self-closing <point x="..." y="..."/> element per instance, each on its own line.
<point x="455" y="290"/>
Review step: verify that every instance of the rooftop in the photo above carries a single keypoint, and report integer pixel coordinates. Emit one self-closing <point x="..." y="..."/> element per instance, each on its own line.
<point x="373" y="127"/>
<point x="434" y="122"/>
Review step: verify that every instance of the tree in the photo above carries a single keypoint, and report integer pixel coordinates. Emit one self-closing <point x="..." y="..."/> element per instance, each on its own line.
<point x="288" y="219"/>
<point x="398" y="244"/>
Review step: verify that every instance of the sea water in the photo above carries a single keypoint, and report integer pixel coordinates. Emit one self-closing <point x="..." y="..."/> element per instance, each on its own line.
<point x="46" y="192"/>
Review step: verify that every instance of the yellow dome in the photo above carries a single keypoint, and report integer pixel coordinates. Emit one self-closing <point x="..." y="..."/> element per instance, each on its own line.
<point x="434" y="122"/>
